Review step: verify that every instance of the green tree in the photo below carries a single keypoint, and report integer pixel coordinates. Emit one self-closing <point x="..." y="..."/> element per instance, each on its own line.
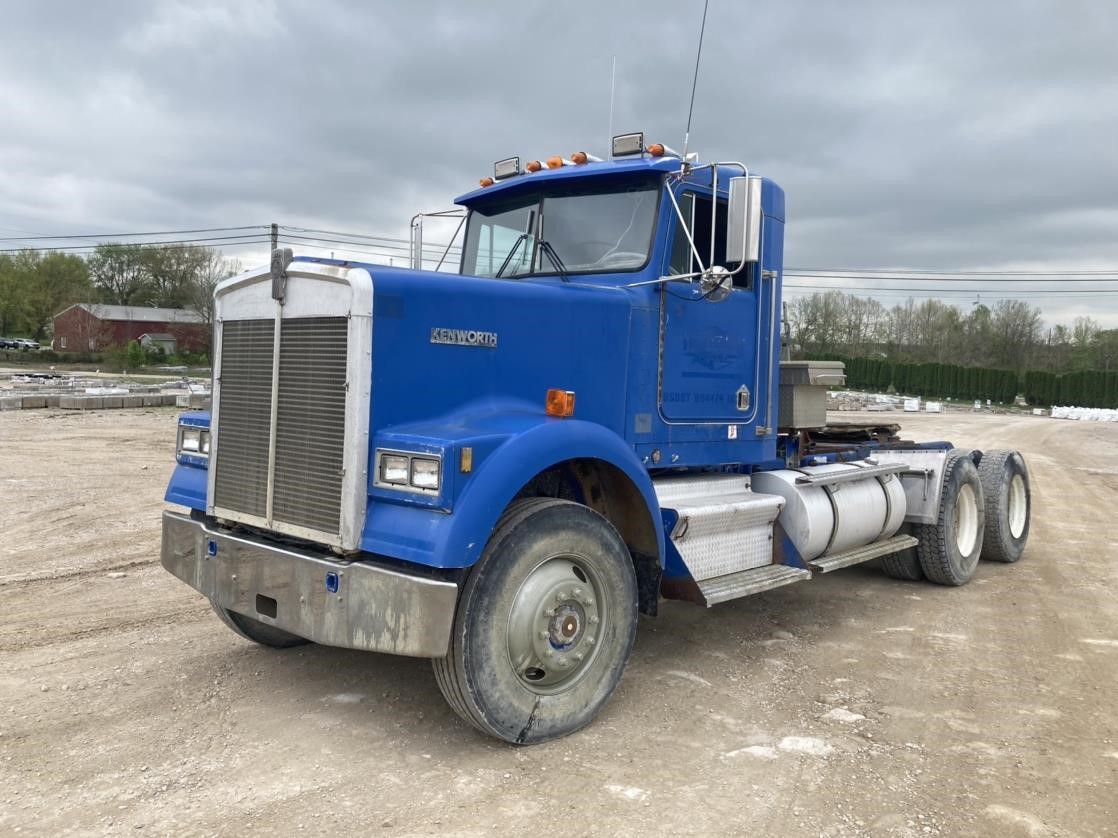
<point x="35" y="286"/>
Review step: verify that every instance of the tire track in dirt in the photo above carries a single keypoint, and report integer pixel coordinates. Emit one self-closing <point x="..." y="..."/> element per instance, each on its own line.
<point x="16" y="583"/>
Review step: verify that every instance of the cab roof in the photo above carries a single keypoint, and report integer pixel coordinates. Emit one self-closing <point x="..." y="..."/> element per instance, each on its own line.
<point x="623" y="166"/>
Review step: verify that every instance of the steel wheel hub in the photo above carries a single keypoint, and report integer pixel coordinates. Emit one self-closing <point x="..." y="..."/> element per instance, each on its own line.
<point x="966" y="520"/>
<point x="1018" y="503"/>
<point x="555" y="623"/>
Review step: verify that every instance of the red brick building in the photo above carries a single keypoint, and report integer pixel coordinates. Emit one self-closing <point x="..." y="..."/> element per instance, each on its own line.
<point x="88" y="327"/>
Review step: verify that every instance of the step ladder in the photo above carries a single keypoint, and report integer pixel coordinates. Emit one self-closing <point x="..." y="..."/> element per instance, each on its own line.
<point x="724" y="534"/>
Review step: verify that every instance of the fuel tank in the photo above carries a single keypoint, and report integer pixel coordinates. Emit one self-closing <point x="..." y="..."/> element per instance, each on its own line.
<point x="828" y="518"/>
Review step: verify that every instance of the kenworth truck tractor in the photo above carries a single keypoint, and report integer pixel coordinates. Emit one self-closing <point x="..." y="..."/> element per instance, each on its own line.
<point x="500" y="469"/>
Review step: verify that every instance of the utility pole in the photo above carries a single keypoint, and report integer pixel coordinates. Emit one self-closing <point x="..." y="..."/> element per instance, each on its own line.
<point x="275" y="236"/>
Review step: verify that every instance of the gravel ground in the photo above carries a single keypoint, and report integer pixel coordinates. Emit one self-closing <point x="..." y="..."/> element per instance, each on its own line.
<point x="850" y="705"/>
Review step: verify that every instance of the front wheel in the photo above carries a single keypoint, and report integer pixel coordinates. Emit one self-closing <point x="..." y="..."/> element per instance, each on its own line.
<point x="257" y="631"/>
<point x="545" y="624"/>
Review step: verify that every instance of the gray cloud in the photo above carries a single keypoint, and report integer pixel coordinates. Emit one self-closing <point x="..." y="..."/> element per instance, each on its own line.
<point x="942" y="136"/>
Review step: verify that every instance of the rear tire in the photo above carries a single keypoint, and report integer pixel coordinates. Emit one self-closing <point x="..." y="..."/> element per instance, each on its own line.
<point x="904" y="565"/>
<point x="257" y="631"/>
<point x="545" y="624"/>
<point x="1005" y="486"/>
<point x="949" y="549"/>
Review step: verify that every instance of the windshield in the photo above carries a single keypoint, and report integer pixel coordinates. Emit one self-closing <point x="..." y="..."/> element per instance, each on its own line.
<point x="589" y="229"/>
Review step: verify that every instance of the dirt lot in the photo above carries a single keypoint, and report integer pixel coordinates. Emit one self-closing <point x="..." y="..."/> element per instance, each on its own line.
<point x="849" y="705"/>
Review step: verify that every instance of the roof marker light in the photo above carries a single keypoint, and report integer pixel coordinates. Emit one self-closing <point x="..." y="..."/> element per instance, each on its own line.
<point x="624" y="145"/>
<point x="486" y="181"/>
<point x="509" y="167"/>
<point x="533" y="166"/>
<point x="656" y="149"/>
<point x="580" y="158"/>
<point x="555" y="162"/>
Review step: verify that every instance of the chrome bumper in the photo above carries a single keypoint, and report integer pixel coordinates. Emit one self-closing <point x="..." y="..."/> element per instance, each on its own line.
<point x="373" y="608"/>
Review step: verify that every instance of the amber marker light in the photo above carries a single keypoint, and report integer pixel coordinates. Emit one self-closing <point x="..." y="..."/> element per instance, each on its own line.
<point x="555" y="162"/>
<point x="656" y="149"/>
<point x="560" y="402"/>
<point x="579" y="158"/>
<point x="533" y="166"/>
<point x="486" y="181"/>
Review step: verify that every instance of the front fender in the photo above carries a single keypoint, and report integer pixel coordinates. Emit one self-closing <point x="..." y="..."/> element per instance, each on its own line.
<point x="455" y="540"/>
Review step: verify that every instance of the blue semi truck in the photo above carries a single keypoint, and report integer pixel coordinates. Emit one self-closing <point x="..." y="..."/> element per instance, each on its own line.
<point x="500" y="469"/>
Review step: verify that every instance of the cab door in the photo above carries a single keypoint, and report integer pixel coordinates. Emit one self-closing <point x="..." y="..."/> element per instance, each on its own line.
<point x="710" y="350"/>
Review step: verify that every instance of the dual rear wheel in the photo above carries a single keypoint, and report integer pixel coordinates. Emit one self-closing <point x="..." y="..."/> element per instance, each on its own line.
<point x="983" y="512"/>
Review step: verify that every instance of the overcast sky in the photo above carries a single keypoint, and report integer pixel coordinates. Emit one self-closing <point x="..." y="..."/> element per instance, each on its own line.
<point x="955" y="136"/>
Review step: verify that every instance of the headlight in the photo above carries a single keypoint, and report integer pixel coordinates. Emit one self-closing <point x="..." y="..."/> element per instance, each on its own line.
<point x="409" y="472"/>
<point x="194" y="442"/>
<point x="394" y="469"/>
<point x="424" y="473"/>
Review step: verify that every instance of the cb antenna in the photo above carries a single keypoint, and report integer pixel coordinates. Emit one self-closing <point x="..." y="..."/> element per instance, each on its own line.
<point x="695" y="80"/>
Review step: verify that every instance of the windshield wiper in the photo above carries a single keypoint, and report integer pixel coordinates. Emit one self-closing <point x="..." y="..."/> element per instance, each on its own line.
<point x="553" y="257"/>
<point x="523" y="237"/>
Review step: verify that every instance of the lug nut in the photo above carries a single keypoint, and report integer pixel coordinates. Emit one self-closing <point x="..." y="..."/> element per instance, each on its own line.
<point x="594" y="619"/>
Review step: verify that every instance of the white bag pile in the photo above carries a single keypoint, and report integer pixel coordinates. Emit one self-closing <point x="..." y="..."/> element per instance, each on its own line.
<point x="1086" y="414"/>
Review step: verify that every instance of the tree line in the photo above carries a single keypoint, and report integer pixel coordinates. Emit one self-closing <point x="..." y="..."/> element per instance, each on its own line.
<point x="1009" y="335"/>
<point x="1082" y="388"/>
<point x="36" y="285"/>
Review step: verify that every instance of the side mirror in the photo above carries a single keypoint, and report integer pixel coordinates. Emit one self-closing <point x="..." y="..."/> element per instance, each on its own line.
<point x="743" y="220"/>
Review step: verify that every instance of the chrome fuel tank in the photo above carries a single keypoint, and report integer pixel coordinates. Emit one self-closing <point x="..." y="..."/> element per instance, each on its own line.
<point x="830" y="517"/>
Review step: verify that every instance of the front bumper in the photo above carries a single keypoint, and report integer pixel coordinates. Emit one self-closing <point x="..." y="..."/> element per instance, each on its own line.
<point x="373" y="608"/>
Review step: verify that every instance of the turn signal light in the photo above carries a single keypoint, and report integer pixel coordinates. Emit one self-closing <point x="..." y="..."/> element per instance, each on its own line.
<point x="656" y="149"/>
<point x="555" y="162"/>
<point x="560" y="402"/>
<point x="486" y="181"/>
<point x="533" y="166"/>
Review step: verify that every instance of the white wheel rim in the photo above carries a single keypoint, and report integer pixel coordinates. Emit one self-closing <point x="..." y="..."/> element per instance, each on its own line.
<point x="1017" y="502"/>
<point x="966" y="520"/>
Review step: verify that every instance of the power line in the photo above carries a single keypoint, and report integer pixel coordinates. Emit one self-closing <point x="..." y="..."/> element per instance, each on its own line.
<point x="962" y="291"/>
<point x="899" y="271"/>
<point x="433" y="248"/>
<point x="351" y="235"/>
<point x="229" y="241"/>
<point x="1110" y="276"/>
<point x="134" y="235"/>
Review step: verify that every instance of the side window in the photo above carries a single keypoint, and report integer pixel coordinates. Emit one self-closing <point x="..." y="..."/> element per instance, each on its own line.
<point x="494" y="245"/>
<point x="697" y="209"/>
<point x="499" y="237"/>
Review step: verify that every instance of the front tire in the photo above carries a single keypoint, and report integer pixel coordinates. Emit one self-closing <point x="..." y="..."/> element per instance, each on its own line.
<point x="545" y="624"/>
<point x="949" y="549"/>
<point x="1005" y="485"/>
<point x="257" y="631"/>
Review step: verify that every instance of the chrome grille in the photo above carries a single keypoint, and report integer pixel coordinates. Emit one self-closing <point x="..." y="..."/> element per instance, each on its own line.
<point x="241" y="478"/>
<point x="310" y="423"/>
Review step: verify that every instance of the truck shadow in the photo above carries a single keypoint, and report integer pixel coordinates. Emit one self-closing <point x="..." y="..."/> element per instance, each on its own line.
<point x="392" y="696"/>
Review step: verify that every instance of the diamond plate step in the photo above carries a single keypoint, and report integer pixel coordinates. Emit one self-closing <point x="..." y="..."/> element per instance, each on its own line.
<point x="895" y="544"/>
<point x="723" y="527"/>
<point x="753" y="581"/>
